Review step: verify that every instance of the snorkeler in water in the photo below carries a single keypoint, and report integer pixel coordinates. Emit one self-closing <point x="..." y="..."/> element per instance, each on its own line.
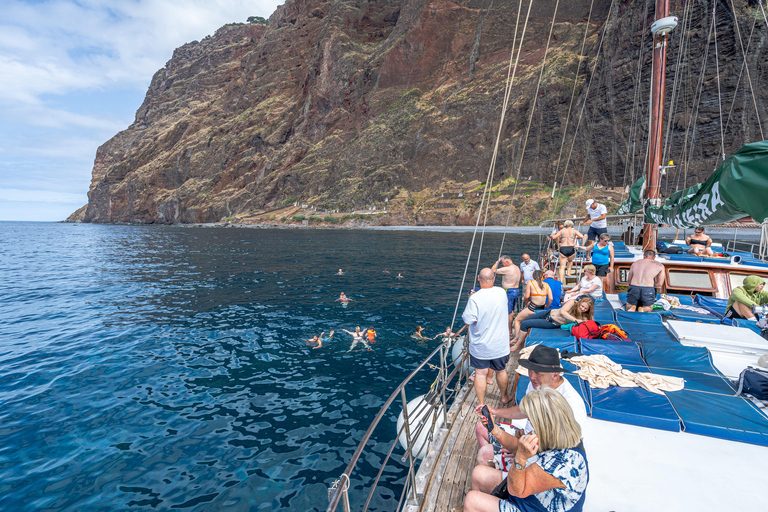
<point x="357" y="337"/>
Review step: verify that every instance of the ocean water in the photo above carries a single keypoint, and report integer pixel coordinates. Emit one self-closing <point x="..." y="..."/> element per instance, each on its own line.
<point x="166" y="368"/>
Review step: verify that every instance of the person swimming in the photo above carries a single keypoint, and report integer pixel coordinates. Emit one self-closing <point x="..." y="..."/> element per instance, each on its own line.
<point x="399" y="276"/>
<point x="371" y="334"/>
<point x="385" y="271"/>
<point x="357" y="337"/>
<point x="340" y="272"/>
<point x="319" y="339"/>
<point x="343" y="298"/>
<point x="418" y="335"/>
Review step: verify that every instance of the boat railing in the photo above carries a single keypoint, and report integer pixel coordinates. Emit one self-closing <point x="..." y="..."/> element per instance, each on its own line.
<point x="435" y="402"/>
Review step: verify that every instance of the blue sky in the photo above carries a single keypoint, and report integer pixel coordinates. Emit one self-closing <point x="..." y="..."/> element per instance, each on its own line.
<point x="72" y="74"/>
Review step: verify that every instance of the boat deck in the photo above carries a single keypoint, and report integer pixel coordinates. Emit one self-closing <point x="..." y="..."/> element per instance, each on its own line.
<point x="445" y="475"/>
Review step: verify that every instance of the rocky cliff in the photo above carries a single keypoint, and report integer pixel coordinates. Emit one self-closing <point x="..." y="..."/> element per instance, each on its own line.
<point x="395" y="104"/>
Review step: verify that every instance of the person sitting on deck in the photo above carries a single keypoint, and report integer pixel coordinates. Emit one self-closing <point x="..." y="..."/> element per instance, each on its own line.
<point x="742" y="298"/>
<point x="645" y="279"/>
<point x="572" y="311"/>
<point x="544" y="369"/>
<point x="699" y="243"/>
<point x="557" y="289"/>
<point x="550" y="471"/>
<point x="538" y="294"/>
<point x="590" y="285"/>
<point x="486" y="315"/>
<point x="567" y="251"/>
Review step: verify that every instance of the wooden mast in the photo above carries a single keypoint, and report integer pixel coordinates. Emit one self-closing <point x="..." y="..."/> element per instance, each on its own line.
<point x="653" y="177"/>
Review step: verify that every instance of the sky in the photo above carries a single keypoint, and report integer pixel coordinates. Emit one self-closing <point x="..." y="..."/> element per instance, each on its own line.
<point x="72" y="75"/>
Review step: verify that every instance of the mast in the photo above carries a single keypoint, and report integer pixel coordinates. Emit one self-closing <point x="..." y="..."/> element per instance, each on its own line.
<point x="660" y="28"/>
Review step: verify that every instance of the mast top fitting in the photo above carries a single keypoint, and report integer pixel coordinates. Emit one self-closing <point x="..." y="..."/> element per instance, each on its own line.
<point x="664" y="25"/>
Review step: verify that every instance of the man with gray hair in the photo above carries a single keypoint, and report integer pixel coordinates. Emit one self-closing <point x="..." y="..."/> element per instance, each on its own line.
<point x="486" y="316"/>
<point x="510" y="281"/>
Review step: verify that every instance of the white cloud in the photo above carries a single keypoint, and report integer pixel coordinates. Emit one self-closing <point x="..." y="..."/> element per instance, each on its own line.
<point x="55" y="55"/>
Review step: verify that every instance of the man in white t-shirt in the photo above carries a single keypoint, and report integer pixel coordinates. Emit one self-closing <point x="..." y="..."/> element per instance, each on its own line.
<point x="486" y="316"/>
<point x="544" y="369"/>
<point x="528" y="267"/>
<point x="595" y="219"/>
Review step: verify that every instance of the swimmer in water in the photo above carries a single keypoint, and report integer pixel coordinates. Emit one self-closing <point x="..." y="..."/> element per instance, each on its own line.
<point x="343" y="298"/>
<point x="371" y="334"/>
<point x="357" y="337"/>
<point x="385" y="271"/>
<point x="340" y="272"/>
<point x="418" y="334"/>
<point x="399" y="276"/>
<point x="450" y="335"/>
<point x="321" y="339"/>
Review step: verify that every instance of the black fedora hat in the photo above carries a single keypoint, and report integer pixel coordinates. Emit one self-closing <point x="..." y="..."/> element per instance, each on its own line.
<point x="543" y="359"/>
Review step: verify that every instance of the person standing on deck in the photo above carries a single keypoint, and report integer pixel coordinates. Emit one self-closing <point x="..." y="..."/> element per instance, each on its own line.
<point x="742" y="298"/>
<point x="595" y="219"/>
<point x="645" y="279"/>
<point x="510" y="281"/>
<point x="486" y="315"/>
<point x="528" y="267"/>
<point x="544" y="369"/>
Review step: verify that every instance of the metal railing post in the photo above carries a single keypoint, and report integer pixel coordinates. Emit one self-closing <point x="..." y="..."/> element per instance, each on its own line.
<point x="409" y="448"/>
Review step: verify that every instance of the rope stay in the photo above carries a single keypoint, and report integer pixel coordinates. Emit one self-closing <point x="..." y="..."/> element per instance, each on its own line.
<point x="530" y="119"/>
<point x="511" y="73"/>
<point x="717" y="69"/>
<point x="749" y="78"/>
<point x="570" y="105"/>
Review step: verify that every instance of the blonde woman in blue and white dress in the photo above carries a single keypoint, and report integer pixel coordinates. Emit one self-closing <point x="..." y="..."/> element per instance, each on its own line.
<point x="549" y="472"/>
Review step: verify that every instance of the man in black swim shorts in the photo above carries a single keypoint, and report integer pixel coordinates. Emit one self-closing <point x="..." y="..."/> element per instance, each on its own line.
<point x="645" y="278"/>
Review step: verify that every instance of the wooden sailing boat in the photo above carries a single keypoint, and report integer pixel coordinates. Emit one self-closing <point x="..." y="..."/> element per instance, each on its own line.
<point x="702" y="448"/>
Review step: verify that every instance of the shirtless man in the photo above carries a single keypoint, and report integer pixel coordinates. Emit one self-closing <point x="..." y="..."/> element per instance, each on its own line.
<point x="510" y="281"/>
<point x="645" y="279"/>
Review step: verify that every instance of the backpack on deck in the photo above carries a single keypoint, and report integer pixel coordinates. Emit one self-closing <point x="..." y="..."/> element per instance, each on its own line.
<point x="613" y="332"/>
<point x="755" y="382"/>
<point x="586" y="330"/>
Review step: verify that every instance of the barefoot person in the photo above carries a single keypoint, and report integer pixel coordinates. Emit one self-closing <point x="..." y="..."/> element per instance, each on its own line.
<point x="572" y="311"/>
<point x="510" y="281"/>
<point x="486" y="315"/>
<point x="567" y="238"/>
<point x="645" y="279"/>
<point x="699" y="243"/>
<point x="319" y="340"/>
<point x="549" y="471"/>
<point x="538" y="295"/>
<point x="544" y="370"/>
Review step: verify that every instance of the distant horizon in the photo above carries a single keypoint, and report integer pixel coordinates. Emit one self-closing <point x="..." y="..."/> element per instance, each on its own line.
<point x="75" y="76"/>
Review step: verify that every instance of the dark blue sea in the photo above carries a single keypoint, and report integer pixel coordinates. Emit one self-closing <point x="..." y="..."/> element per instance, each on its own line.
<point x="151" y="368"/>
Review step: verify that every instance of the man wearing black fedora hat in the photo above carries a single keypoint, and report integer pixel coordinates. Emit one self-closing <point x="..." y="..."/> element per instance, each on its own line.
<point x="544" y="369"/>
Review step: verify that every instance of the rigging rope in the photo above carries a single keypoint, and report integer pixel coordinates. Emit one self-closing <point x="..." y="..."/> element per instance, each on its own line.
<point x="510" y="79"/>
<point x="635" y="119"/>
<point x="570" y="105"/>
<point x="749" y="78"/>
<point x="717" y="68"/>
<point x="586" y="95"/>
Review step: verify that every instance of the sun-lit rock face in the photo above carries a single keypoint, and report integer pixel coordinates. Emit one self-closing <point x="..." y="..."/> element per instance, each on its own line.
<point x="346" y="104"/>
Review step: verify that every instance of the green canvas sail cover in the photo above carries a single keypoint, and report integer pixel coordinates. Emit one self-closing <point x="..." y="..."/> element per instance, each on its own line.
<point x="738" y="188"/>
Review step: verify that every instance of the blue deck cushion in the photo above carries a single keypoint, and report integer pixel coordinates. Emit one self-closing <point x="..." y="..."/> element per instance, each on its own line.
<point x="685" y="300"/>
<point x="713" y="304"/>
<point x="633" y="406"/>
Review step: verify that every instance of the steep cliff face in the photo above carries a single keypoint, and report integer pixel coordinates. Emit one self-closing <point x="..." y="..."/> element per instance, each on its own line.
<point x="344" y="104"/>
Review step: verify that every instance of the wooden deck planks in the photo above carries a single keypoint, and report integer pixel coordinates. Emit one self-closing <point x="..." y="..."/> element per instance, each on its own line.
<point x="445" y="476"/>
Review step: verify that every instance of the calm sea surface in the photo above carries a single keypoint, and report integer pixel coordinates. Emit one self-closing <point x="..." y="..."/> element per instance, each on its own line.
<point x="164" y="368"/>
